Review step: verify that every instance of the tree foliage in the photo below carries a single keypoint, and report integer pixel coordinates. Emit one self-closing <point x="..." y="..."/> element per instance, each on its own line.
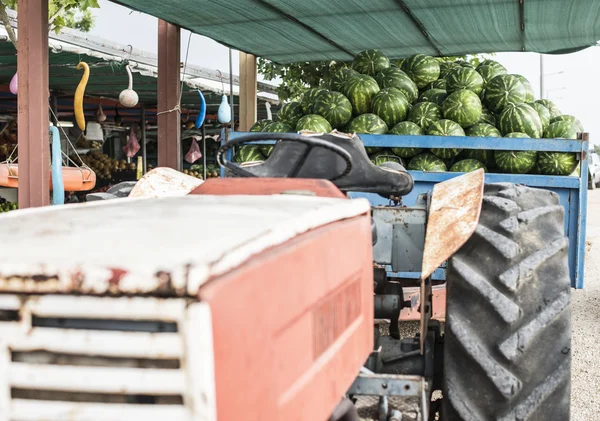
<point x="75" y="14"/>
<point x="295" y="78"/>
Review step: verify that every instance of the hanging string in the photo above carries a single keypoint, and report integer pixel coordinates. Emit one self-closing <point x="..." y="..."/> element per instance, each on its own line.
<point x="178" y="106"/>
<point x="220" y="76"/>
<point x="69" y="159"/>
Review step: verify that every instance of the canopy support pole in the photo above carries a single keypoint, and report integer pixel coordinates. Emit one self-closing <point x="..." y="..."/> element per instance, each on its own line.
<point x="143" y="129"/>
<point x="247" y="98"/>
<point x="33" y="117"/>
<point x="168" y="111"/>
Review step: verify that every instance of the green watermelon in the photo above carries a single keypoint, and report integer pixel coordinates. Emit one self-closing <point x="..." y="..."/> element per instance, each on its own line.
<point x="308" y="99"/>
<point x="515" y="162"/>
<point x="436" y="84"/>
<point x="290" y="113"/>
<point x="385" y="156"/>
<point x="421" y="69"/>
<point x="493" y="63"/>
<point x="260" y="125"/>
<point x="561" y="130"/>
<point x="407" y="128"/>
<point x="517" y="135"/>
<point x="367" y="123"/>
<point x="462" y="106"/>
<point x="520" y="118"/>
<point x="485" y="156"/>
<point x="335" y="108"/>
<point x="340" y="77"/>
<point x="313" y="123"/>
<point x="543" y="112"/>
<point x="433" y="95"/>
<point x="569" y="118"/>
<point x="557" y="163"/>
<point x="503" y="90"/>
<point x="427" y="162"/>
<point x="487" y="116"/>
<point x="370" y="62"/>
<point x="529" y="93"/>
<point x="424" y="113"/>
<point x="483" y="130"/>
<point x="467" y="165"/>
<point x="266" y="150"/>
<point x="248" y="153"/>
<point x="446" y="67"/>
<point x="371" y="150"/>
<point x="464" y="78"/>
<point x="278" y="127"/>
<point x="360" y="90"/>
<point x="466" y="64"/>
<point x="396" y="78"/>
<point x="445" y="128"/>
<point x="489" y="72"/>
<point x="554" y="111"/>
<point x="391" y="105"/>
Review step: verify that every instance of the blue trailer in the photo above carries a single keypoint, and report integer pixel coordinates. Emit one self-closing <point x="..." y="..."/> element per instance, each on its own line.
<point x="572" y="190"/>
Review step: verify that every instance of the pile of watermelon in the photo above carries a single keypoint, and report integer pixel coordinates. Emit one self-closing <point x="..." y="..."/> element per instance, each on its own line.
<point x="426" y="95"/>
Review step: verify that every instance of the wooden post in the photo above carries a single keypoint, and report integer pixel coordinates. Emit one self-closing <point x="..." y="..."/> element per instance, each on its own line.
<point x="169" y="121"/>
<point x="247" y="100"/>
<point x="33" y="119"/>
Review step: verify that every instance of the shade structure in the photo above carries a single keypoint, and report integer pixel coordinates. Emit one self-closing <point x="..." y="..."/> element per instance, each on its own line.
<point x="308" y="30"/>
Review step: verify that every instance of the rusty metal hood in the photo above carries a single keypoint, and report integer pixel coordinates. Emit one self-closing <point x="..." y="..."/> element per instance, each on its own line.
<point x="166" y="246"/>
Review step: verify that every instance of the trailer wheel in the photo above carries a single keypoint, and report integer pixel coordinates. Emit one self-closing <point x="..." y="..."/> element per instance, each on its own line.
<point x="508" y="317"/>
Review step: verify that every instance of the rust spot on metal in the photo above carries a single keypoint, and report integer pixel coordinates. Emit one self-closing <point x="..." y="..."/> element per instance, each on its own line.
<point x="116" y="275"/>
<point x="77" y="279"/>
<point x="44" y="278"/>
<point x="165" y="284"/>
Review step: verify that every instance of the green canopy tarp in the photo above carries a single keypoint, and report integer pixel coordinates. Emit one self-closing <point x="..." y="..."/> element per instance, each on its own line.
<point x="307" y="30"/>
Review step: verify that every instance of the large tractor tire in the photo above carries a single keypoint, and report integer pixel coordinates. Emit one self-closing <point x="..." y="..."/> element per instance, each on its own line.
<point x="508" y="317"/>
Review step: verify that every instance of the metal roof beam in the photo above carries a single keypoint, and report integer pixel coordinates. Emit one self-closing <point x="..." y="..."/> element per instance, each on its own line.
<point x="417" y="23"/>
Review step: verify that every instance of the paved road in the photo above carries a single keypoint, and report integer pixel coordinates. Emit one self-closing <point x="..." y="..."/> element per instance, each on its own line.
<point x="585" y="394"/>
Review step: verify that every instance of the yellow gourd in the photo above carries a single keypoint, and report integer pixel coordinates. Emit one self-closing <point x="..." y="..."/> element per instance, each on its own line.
<point x="78" y="100"/>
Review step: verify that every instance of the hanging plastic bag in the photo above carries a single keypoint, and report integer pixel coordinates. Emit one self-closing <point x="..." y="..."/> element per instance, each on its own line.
<point x="194" y="153"/>
<point x="132" y="146"/>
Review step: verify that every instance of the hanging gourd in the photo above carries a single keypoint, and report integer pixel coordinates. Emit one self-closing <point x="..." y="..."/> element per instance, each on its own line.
<point x="78" y="100"/>
<point x="269" y="114"/>
<point x="224" y="113"/>
<point x="58" y="186"/>
<point x="100" y="116"/>
<point x="14" y="85"/>
<point x="128" y="97"/>
<point x="202" y="112"/>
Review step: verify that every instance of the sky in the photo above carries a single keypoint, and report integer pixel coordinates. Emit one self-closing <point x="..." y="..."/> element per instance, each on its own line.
<point x="571" y="80"/>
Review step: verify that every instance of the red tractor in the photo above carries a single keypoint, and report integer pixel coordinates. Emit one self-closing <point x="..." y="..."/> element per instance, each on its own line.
<point x="255" y="297"/>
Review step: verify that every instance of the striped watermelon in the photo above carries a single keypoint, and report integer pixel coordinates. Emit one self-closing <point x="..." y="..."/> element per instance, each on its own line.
<point x="335" y="108"/>
<point x="407" y="128"/>
<point x="543" y="112"/>
<point x="557" y="163"/>
<point x="397" y="63"/>
<point x="446" y="67"/>
<point x="562" y="129"/>
<point x="308" y="99"/>
<point x="248" y="153"/>
<point x="493" y="63"/>
<point x="278" y="127"/>
<point x="515" y="162"/>
<point x="427" y="162"/>
<point x="569" y="118"/>
<point x="464" y="78"/>
<point x="487" y="116"/>
<point x="360" y="90"/>
<point x="529" y="94"/>
<point x="290" y="113"/>
<point x="445" y="128"/>
<point x="503" y="90"/>
<point x="433" y="95"/>
<point x="485" y="156"/>
<point x="367" y="123"/>
<point x="462" y="106"/>
<point x="391" y="105"/>
<point x="396" y="78"/>
<point x="337" y="80"/>
<point x="520" y="118"/>
<point x="371" y="150"/>
<point x="554" y="111"/>
<point x="436" y="84"/>
<point x="489" y="72"/>
<point x="370" y="62"/>
<point x="313" y="123"/>
<point x="260" y="125"/>
<point x="466" y="64"/>
<point x="483" y="130"/>
<point x="421" y="69"/>
<point x="385" y="156"/>
<point x="424" y="113"/>
<point x="467" y="165"/>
